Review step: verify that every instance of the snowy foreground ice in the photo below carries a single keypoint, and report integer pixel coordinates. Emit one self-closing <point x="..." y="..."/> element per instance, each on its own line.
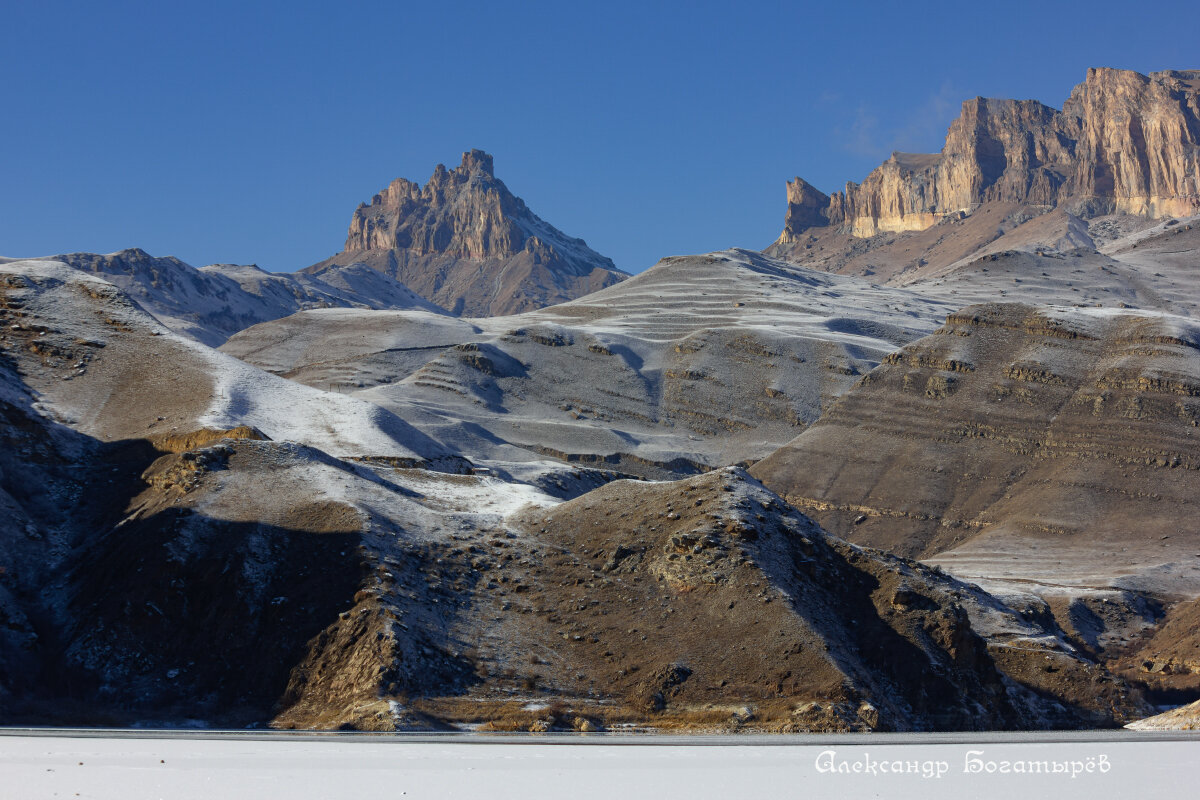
<point x="234" y="766"/>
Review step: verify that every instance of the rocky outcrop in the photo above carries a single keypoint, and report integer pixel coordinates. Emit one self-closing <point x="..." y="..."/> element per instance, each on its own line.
<point x="1166" y="661"/>
<point x="681" y="598"/>
<point x="808" y="207"/>
<point x="466" y="243"/>
<point x="1123" y="142"/>
<point x="1139" y="140"/>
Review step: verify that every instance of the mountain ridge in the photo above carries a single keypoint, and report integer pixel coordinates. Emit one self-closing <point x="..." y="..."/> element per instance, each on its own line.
<point x="1123" y="142"/>
<point x="211" y="303"/>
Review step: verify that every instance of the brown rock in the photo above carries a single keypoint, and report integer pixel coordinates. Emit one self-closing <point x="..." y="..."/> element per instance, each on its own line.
<point x="1122" y="142"/>
<point x="808" y="207"/>
<point x="466" y="243"/>
<point x="1167" y="660"/>
<point x="1067" y="447"/>
<point x="803" y="632"/>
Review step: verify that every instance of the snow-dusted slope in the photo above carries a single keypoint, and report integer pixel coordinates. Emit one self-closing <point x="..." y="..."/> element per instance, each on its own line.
<point x="365" y="592"/>
<point x="108" y="369"/>
<point x="336" y="345"/>
<point x="1033" y="450"/>
<point x="211" y="303"/>
<point x="1020" y="254"/>
<point x="1184" y="718"/>
<point x="353" y="286"/>
<point x="700" y="360"/>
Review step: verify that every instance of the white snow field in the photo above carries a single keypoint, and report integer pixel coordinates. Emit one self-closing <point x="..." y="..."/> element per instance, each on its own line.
<point x="246" y="767"/>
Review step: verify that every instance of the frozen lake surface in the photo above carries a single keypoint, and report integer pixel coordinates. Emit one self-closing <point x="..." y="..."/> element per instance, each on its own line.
<point x="143" y="764"/>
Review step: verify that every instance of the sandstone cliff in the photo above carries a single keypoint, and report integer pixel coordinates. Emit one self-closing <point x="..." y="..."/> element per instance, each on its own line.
<point x="466" y="243"/>
<point x="1123" y="142"/>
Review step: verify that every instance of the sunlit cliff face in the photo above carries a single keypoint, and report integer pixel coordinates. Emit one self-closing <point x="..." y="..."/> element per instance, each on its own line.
<point x="1123" y="142"/>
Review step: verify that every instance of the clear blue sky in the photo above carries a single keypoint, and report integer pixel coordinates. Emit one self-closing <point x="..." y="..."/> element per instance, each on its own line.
<point x="248" y="132"/>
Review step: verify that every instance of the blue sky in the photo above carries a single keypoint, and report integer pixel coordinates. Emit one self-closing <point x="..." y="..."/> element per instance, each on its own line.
<point x="248" y="132"/>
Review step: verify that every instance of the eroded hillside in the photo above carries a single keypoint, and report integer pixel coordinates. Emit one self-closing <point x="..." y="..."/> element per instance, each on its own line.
<point x="235" y="518"/>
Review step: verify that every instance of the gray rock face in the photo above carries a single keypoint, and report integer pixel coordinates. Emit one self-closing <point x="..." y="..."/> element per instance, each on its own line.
<point x="1123" y="142"/>
<point x="465" y="242"/>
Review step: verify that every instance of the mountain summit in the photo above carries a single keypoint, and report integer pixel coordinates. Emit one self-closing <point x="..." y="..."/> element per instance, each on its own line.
<point x="467" y="243"/>
<point x="1122" y="143"/>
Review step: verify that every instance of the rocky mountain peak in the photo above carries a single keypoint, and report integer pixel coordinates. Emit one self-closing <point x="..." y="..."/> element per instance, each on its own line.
<point x="474" y="163"/>
<point x="1123" y="142"/>
<point x="477" y="161"/>
<point x="454" y="240"/>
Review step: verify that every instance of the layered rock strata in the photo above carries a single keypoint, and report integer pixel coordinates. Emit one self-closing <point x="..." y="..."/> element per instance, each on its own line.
<point x="1047" y="447"/>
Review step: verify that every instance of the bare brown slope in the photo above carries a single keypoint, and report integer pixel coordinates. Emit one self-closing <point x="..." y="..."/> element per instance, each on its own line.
<point x="466" y="243"/>
<point x="178" y="615"/>
<point x="687" y="597"/>
<point x="1053" y="446"/>
<point x="903" y="255"/>
<point x="1167" y="660"/>
<point x="700" y="603"/>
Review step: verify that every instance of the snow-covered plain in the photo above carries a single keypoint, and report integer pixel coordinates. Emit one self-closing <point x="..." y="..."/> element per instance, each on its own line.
<point x="240" y="767"/>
